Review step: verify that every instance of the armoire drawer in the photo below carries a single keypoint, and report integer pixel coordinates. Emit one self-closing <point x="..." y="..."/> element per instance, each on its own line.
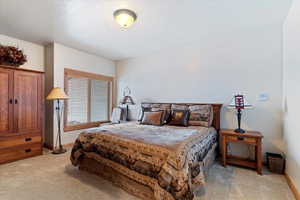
<point x="20" y="141"/>
<point x="20" y="152"/>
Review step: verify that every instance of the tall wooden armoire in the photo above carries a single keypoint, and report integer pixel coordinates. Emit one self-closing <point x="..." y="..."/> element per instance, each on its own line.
<point x="21" y="113"/>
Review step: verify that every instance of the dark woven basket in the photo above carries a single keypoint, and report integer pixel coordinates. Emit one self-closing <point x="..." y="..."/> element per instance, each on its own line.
<point x="276" y="163"/>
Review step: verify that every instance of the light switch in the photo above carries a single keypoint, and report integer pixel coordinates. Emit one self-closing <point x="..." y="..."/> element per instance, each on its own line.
<point x="263" y="97"/>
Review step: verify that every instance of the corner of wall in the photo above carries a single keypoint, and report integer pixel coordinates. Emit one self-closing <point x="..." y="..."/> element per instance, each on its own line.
<point x="49" y="65"/>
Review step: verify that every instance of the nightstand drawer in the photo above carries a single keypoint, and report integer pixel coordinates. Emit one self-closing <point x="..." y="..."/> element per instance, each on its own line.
<point x="232" y="138"/>
<point x="240" y="138"/>
<point x="250" y="140"/>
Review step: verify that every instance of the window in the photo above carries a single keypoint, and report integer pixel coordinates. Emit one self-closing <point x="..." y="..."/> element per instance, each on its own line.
<point x="90" y="99"/>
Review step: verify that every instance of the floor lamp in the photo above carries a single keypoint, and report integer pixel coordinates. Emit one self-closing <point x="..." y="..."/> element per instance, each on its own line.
<point x="58" y="94"/>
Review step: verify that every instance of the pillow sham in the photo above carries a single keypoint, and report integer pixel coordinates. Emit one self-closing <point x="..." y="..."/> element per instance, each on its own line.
<point x="179" y="107"/>
<point x="116" y="115"/>
<point x="152" y="118"/>
<point x="141" y="113"/>
<point x="179" y="117"/>
<point x="201" y="115"/>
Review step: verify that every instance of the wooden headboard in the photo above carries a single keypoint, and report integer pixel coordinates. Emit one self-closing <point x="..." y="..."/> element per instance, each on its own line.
<point x="216" y="109"/>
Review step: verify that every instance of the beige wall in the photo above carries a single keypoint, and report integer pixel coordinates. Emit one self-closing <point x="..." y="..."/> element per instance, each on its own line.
<point x="65" y="57"/>
<point x="291" y="82"/>
<point x="212" y="70"/>
<point x="34" y="52"/>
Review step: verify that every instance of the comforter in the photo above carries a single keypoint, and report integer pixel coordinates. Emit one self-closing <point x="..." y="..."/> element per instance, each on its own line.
<point x="168" y="159"/>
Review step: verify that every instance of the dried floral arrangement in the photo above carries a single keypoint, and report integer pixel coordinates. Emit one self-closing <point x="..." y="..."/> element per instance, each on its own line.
<point x="13" y="56"/>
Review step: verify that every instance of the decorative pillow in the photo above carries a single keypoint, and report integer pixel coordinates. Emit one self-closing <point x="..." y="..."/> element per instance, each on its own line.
<point x="201" y="115"/>
<point x="165" y="107"/>
<point x="165" y="116"/>
<point x="179" y="117"/>
<point x="152" y="118"/>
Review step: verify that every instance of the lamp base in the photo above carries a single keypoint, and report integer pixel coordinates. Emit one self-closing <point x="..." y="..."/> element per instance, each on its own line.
<point x="59" y="151"/>
<point x="239" y="130"/>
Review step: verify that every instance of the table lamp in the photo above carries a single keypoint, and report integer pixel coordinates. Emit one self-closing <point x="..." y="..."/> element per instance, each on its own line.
<point x="127" y="100"/>
<point x="58" y="94"/>
<point x="239" y="103"/>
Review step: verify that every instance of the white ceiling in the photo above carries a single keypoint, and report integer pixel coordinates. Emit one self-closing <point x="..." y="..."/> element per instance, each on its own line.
<point x="88" y="25"/>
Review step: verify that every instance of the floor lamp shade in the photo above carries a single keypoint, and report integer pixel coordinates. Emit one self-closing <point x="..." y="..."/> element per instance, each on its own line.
<point x="58" y="94"/>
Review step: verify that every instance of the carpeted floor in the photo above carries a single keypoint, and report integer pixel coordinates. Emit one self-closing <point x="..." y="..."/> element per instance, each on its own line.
<point x="52" y="177"/>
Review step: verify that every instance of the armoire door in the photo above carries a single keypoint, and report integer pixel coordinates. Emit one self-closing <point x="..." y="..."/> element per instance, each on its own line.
<point x="6" y="102"/>
<point x="27" y="102"/>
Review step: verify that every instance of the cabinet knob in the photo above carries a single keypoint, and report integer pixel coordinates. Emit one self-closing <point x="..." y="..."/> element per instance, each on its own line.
<point x="10" y="101"/>
<point x="16" y="101"/>
<point x="27" y="150"/>
<point x="240" y="138"/>
<point x="28" y="139"/>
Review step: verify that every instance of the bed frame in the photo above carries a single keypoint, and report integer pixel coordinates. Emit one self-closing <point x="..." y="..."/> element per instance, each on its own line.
<point x="136" y="188"/>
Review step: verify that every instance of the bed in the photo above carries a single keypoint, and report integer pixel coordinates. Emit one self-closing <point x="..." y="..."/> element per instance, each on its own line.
<point x="150" y="162"/>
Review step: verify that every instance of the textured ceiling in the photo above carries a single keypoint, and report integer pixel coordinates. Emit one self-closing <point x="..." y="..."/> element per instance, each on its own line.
<point x="88" y="25"/>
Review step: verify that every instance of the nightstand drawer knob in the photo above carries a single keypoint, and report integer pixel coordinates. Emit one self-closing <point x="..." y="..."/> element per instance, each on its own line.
<point x="28" y="139"/>
<point x="240" y="138"/>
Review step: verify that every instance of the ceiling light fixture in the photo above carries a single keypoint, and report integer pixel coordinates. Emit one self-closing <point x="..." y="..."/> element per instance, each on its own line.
<point x="125" y="17"/>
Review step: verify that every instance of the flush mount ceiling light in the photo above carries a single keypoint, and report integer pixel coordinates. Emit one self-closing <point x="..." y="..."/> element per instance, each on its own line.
<point x="125" y="17"/>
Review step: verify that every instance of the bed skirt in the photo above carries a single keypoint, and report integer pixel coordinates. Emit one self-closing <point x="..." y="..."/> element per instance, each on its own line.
<point x="128" y="184"/>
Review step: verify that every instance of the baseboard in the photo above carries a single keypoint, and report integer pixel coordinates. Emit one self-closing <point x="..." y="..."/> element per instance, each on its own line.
<point x="51" y="146"/>
<point x="48" y="146"/>
<point x="293" y="187"/>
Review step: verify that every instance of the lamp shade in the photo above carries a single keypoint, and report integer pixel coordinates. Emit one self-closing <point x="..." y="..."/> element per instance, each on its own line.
<point x="239" y="99"/>
<point x="127" y="100"/>
<point x="57" y="93"/>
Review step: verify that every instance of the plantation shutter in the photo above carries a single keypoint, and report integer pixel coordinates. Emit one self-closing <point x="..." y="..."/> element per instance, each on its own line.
<point x="78" y="102"/>
<point x="99" y="100"/>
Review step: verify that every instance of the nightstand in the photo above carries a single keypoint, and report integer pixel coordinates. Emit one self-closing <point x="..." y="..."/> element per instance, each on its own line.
<point x="249" y="138"/>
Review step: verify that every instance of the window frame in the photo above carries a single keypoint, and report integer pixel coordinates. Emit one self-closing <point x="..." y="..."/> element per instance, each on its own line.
<point x="80" y="74"/>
